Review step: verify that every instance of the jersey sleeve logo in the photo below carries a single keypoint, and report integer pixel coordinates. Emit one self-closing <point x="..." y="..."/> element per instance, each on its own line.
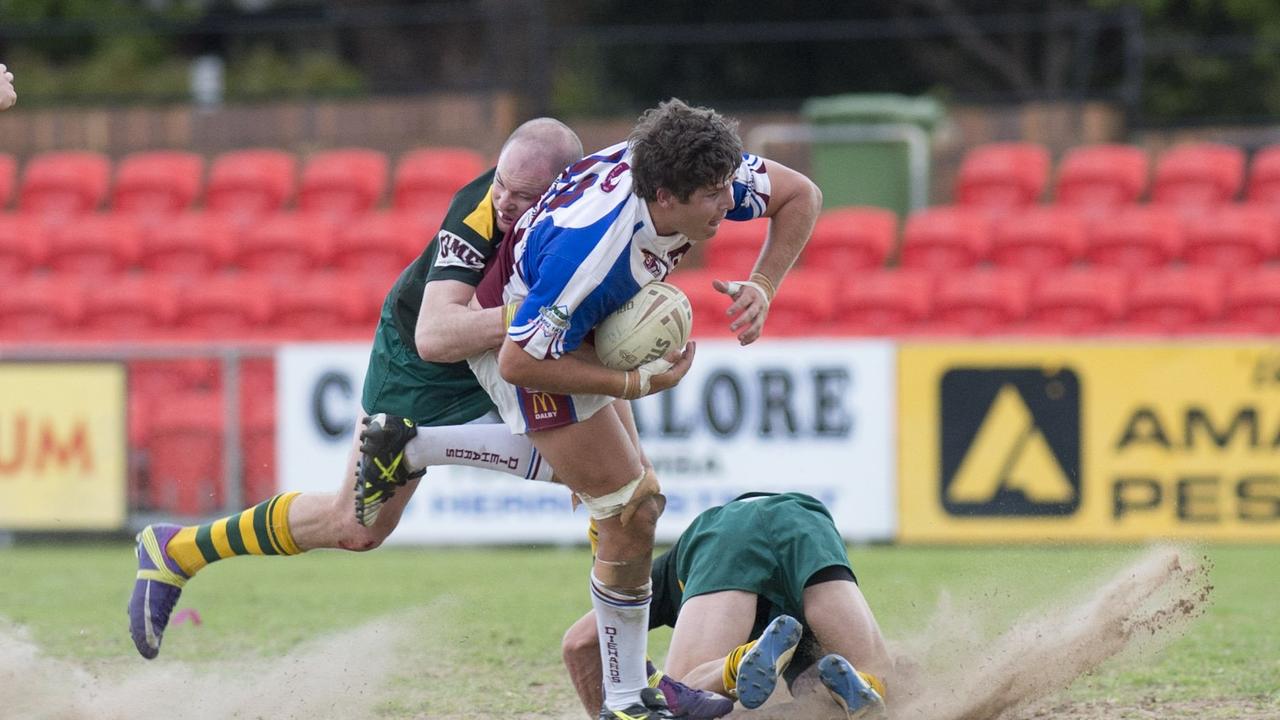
<point x="544" y="333"/>
<point x="456" y="252"/>
<point x="553" y="320"/>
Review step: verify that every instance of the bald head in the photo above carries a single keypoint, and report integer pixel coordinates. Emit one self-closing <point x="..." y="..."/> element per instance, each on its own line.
<point x="545" y="140"/>
<point x="529" y="161"/>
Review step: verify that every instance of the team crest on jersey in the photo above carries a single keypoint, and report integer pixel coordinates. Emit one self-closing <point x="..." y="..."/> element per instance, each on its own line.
<point x="553" y="320"/>
<point x="656" y="267"/>
<point x="456" y="252"/>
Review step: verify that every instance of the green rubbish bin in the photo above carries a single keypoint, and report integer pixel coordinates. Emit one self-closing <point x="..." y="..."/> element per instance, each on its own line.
<point x="873" y="149"/>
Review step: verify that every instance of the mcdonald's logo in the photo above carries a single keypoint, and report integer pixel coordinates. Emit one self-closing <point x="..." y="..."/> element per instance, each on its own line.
<point x="544" y="404"/>
<point x="1010" y="441"/>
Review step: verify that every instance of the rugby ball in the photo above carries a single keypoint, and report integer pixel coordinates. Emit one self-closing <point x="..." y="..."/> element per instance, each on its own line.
<point x="657" y="320"/>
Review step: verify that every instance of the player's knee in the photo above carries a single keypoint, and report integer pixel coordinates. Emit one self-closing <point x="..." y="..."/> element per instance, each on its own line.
<point x="648" y="511"/>
<point x="578" y="639"/>
<point x="358" y="538"/>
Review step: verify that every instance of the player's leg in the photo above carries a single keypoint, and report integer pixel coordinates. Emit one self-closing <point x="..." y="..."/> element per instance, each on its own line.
<point x="580" y="651"/>
<point x="597" y="459"/>
<point x="286" y="524"/>
<point x="711" y="628"/>
<point x="843" y="623"/>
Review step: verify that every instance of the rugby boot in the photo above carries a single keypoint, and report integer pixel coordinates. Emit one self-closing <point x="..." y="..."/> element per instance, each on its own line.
<point x="686" y="702"/>
<point x="850" y="689"/>
<point x="156" y="589"/>
<point x="382" y="466"/>
<point x="652" y="706"/>
<point x="762" y="665"/>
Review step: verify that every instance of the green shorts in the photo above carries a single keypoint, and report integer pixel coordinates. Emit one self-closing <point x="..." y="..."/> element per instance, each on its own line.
<point x="400" y="382"/>
<point x="769" y="545"/>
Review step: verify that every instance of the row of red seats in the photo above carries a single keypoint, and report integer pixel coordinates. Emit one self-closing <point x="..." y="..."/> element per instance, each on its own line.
<point x="200" y="243"/>
<point x="242" y="183"/>
<point x="880" y="301"/>
<point x="1100" y="178"/>
<point x="236" y="306"/>
<point x="982" y="301"/>
<point x="1035" y="238"/>
<point x="380" y="244"/>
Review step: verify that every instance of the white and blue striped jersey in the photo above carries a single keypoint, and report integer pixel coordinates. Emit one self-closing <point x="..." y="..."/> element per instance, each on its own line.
<point x="590" y="245"/>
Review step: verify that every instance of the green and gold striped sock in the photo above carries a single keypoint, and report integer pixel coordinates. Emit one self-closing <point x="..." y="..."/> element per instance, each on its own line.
<point x="261" y="530"/>
<point x="731" y="663"/>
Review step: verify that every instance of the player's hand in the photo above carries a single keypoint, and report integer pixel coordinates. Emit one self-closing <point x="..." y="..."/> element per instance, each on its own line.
<point x="749" y="309"/>
<point x="8" y="96"/>
<point x="667" y="371"/>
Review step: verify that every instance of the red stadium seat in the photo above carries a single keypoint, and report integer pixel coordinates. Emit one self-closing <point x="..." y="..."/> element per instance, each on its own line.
<point x="342" y="183"/>
<point x="101" y="244"/>
<point x="23" y="246"/>
<point x="1231" y="237"/>
<point x="1099" y="179"/>
<point x="736" y="246"/>
<point x="185" y="446"/>
<point x="190" y="243"/>
<point x="8" y="178"/>
<point x="429" y="177"/>
<point x="285" y="243"/>
<point x="805" y="304"/>
<point x="380" y="244"/>
<point x="59" y="185"/>
<point x="233" y="306"/>
<point x="883" y="301"/>
<point x="322" y="306"/>
<point x="157" y="183"/>
<point x="980" y="301"/>
<point x="1252" y="302"/>
<point x="1000" y="176"/>
<point x="1193" y="176"/>
<point x="1136" y="238"/>
<point x="709" y="305"/>
<point x="1076" y="301"/>
<point x="247" y="184"/>
<point x="130" y="308"/>
<point x="946" y="238"/>
<point x="1038" y="239"/>
<point x="851" y="238"/>
<point x="1174" y="300"/>
<point x="41" y="308"/>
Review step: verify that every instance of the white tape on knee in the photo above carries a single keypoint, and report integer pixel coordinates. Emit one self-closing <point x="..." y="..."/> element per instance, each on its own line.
<point x="607" y="506"/>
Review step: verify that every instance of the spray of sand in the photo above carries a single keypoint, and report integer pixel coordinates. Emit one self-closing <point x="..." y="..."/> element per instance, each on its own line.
<point x="957" y="673"/>
<point x="335" y="676"/>
<point x="1137" y="610"/>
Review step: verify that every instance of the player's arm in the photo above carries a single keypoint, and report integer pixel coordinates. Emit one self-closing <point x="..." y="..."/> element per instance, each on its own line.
<point x="450" y="328"/>
<point x="793" y="207"/>
<point x="8" y="96"/>
<point x="572" y="375"/>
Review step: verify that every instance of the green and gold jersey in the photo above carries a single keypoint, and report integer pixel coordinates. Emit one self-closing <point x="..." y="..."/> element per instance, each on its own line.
<point x="466" y="240"/>
<point x="398" y="381"/>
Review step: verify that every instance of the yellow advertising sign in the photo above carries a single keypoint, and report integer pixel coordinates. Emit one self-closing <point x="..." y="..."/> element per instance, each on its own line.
<point x="62" y="446"/>
<point x="1122" y="441"/>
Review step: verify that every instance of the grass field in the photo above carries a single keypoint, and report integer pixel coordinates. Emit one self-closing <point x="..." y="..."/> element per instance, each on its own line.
<point x="474" y="633"/>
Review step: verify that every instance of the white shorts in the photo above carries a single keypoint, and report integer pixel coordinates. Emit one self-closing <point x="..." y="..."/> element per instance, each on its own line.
<point x="526" y="410"/>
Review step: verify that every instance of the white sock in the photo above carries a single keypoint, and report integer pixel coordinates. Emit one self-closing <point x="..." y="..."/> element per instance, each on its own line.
<point x="622" y="620"/>
<point x="490" y="446"/>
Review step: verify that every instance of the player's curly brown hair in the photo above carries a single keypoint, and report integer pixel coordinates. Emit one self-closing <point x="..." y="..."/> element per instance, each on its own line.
<point x="682" y="149"/>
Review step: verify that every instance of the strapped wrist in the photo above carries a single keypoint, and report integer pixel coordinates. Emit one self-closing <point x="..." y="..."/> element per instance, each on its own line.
<point x="765" y="284"/>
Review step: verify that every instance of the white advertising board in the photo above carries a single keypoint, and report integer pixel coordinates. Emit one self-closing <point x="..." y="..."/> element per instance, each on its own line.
<point x="815" y="416"/>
